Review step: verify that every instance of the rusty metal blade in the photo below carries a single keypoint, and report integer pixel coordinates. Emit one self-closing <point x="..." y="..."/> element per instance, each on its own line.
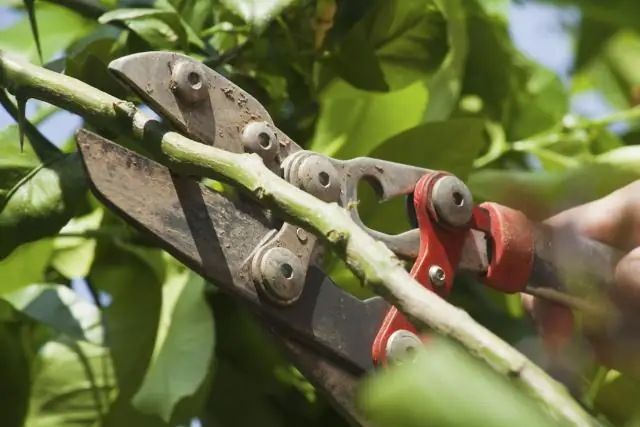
<point x="210" y="108"/>
<point x="216" y="236"/>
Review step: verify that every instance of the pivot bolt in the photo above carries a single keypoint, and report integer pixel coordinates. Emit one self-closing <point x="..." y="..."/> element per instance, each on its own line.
<point x="452" y="201"/>
<point x="188" y="82"/>
<point x="437" y="276"/>
<point x="282" y="275"/>
<point x="401" y="346"/>
<point x="317" y="176"/>
<point x="258" y="137"/>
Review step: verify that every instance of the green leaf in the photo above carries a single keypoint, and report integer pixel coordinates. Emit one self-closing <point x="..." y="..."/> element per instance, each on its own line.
<point x="61" y="309"/>
<point x="428" y="391"/>
<point x="449" y="145"/>
<point x="25" y="265"/>
<point x="394" y="45"/>
<point x="541" y="194"/>
<point x="133" y="277"/>
<point x="42" y="202"/>
<point x="257" y="12"/>
<point x="87" y="60"/>
<point x="616" y="397"/>
<point x="58" y="26"/>
<point x="354" y="122"/>
<point x="73" y="256"/>
<point x="183" y="351"/>
<point x="161" y="29"/>
<point x="16" y="363"/>
<point x="529" y="98"/>
<point x="31" y="13"/>
<point x="72" y="383"/>
<point x="592" y="37"/>
<point x="73" y="386"/>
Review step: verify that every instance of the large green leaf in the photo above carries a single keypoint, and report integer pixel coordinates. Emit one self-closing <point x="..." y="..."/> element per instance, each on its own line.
<point x="57" y="25"/>
<point x="132" y="276"/>
<point x="72" y="380"/>
<point x="183" y="353"/>
<point x="445" y="386"/>
<point x="354" y="122"/>
<point x="42" y="202"/>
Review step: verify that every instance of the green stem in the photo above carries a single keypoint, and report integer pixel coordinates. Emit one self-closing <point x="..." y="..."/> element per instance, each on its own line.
<point x="594" y="387"/>
<point x="369" y="259"/>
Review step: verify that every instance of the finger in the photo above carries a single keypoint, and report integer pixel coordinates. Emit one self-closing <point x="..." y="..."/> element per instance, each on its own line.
<point x="627" y="278"/>
<point x="554" y="322"/>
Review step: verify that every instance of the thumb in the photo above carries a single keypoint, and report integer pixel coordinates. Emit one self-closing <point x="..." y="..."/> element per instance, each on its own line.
<point x="627" y="278"/>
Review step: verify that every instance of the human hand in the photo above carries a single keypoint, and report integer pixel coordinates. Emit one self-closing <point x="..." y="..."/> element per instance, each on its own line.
<point x="613" y="220"/>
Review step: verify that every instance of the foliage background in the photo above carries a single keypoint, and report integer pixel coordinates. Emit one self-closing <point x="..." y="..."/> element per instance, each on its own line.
<point x="463" y="98"/>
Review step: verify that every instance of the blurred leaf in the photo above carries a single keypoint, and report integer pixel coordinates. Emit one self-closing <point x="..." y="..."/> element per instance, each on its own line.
<point x="428" y="392"/>
<point x="242" y="380"/>
<point x="15" y="370"/>
<point x="529" y="98"/>
<point x="592" y="36"/>
<point x="73" y="256"/>
<point x="31" y="13"/>
<point x="257" y="12"/>
<point x="541" y="194"/>
<point x="58" y="26"/>
<point x="617" y="397"/>
<point x="396" y="44"/>
<point x="25" y="265"/>
<point x="183" y="351"/>
<point x="61" y="309"/>
<point x="87" y="60"/>
<point x="42" y="202"/>
<point x="73" y="386"/>
<point x="353" y="122"/>
<point x="133" y="277"/>
<point x="450" y="145"/>
<point x="161" y="29"/>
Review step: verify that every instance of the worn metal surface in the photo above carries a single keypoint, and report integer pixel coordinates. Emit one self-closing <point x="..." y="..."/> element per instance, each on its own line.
<point x="452" y="201"/>
<point x="216" y="237"/>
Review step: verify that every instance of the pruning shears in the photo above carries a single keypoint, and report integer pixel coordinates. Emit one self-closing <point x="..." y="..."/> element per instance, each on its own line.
<point x="276" y="267"/>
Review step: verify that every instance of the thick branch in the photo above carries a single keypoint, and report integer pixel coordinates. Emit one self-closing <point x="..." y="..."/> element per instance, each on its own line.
<point x="371" y="261"/>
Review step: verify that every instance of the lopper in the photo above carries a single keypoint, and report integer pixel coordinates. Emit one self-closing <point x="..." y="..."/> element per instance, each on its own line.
<point x="275" y="267"/>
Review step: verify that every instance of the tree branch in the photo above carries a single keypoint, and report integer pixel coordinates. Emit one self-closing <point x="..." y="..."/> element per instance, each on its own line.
<point x="370" y="260"/>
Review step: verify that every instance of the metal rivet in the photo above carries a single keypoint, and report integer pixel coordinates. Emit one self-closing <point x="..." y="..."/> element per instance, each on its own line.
<point x="258" y="137"/>
<point x="452" y="201"/>
<point x="401" y="346"/>
<point x="317" y="176"/>
<point x="189" y="82"/>
<point x="282" y="275"/>
<point x="437" y="276"/>
<point x="302" y="235"/>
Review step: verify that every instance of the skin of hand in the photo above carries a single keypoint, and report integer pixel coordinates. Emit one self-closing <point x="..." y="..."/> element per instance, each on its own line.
<point x="613" y="220"/>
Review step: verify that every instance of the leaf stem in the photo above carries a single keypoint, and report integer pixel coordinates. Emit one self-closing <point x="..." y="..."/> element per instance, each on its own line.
<point x="370" y="260"/>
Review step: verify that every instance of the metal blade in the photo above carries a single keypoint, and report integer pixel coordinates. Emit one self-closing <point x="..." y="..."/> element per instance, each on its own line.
<point x="216" y="236"/>
<point x="198" y="101"/>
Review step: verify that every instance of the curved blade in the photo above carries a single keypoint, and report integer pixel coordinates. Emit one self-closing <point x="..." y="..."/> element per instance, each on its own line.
<point x="198" y="101"/>
<point x="216" y="237"/>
